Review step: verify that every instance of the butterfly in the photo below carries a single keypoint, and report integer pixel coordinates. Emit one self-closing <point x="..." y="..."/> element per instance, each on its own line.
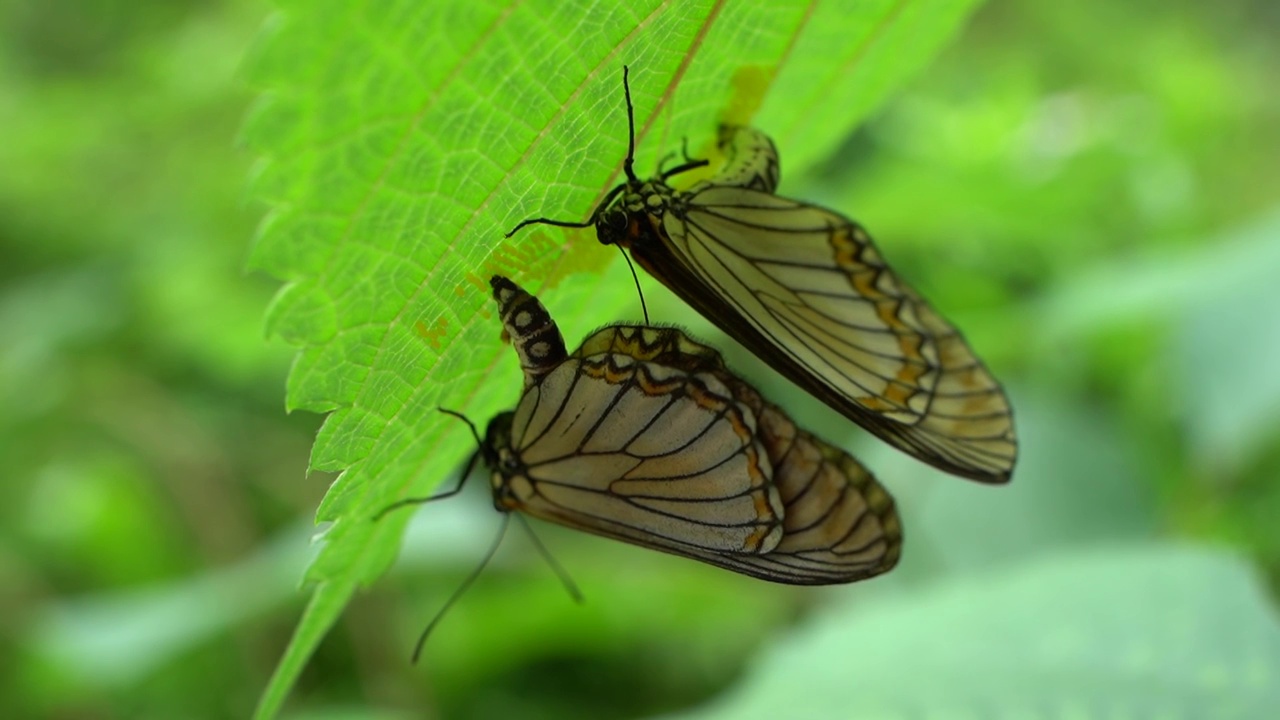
<point x="806" y="290"/>
<point x="643" y="435"/>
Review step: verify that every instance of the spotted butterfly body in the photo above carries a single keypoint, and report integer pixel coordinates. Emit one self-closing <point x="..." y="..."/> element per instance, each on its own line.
<point x="644" y="436"/>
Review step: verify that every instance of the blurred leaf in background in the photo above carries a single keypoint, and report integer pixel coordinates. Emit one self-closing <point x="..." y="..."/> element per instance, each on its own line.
<point x="1088" y="189"/>
<point x="1175" y="635"/>
<point x="147" y="456"/>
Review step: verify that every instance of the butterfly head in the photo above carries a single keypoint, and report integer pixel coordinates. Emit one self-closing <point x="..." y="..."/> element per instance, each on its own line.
<point x="614" y="222"/>
<point x="503" y="460"/>
<point x="624" y="214"/>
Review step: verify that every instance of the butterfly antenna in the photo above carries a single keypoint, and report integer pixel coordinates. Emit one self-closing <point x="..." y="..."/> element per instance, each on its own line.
<point x="462" y="589"/>
<point x="471" y="463"/>
<point x="628" y="167"/>
<point x="636" y="278"/>
<point x="629" y="163"/>
<point x="549" y="221"/>
<point x="470" y="425"/>
<point x="557" y="568"/>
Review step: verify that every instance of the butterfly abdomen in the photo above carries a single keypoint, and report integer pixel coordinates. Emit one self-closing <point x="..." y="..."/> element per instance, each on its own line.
<point x="532" y="332"/>
<point x="751" y="160"/>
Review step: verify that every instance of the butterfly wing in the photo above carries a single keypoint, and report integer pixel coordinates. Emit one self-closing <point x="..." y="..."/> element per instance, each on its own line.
<point x="805" y="289"/>
<point x="645" y="454"/>
<point x="662" y="345"/>
<point x="839" y="524"/>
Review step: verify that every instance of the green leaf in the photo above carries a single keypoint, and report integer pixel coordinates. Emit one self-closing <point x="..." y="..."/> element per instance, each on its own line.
<point x="1152" y="631"/>
<point x="120" y="638"/>
<point x="1164" y="285"/>
<point x="1225" y="356"/>
<point x="1061" y="496"/>
<point x="400" y="139"/>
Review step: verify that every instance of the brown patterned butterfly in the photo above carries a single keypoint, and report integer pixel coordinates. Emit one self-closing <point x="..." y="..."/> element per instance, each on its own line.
<point x="643" y="435"/>
<point x="804" y="288"/>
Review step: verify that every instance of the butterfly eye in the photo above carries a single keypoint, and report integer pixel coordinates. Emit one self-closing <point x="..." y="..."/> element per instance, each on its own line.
<point x="509" y="463"/>
<point x="611" y="228"/>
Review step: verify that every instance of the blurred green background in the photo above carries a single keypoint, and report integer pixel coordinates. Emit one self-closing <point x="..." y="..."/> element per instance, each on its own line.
<point x="1091" y="190"/>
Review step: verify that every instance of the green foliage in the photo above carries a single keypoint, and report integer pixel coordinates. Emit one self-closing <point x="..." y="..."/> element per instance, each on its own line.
<point x="396" y="160"/>
<point x="1088" y="189"/>
<point x="1138" y="631"/>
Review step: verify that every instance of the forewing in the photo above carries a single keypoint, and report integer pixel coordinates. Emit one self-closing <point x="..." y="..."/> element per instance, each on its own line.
<point x="646" y="454"/>
<point x="662" y="345"/>
<point x="806" y="290"/>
